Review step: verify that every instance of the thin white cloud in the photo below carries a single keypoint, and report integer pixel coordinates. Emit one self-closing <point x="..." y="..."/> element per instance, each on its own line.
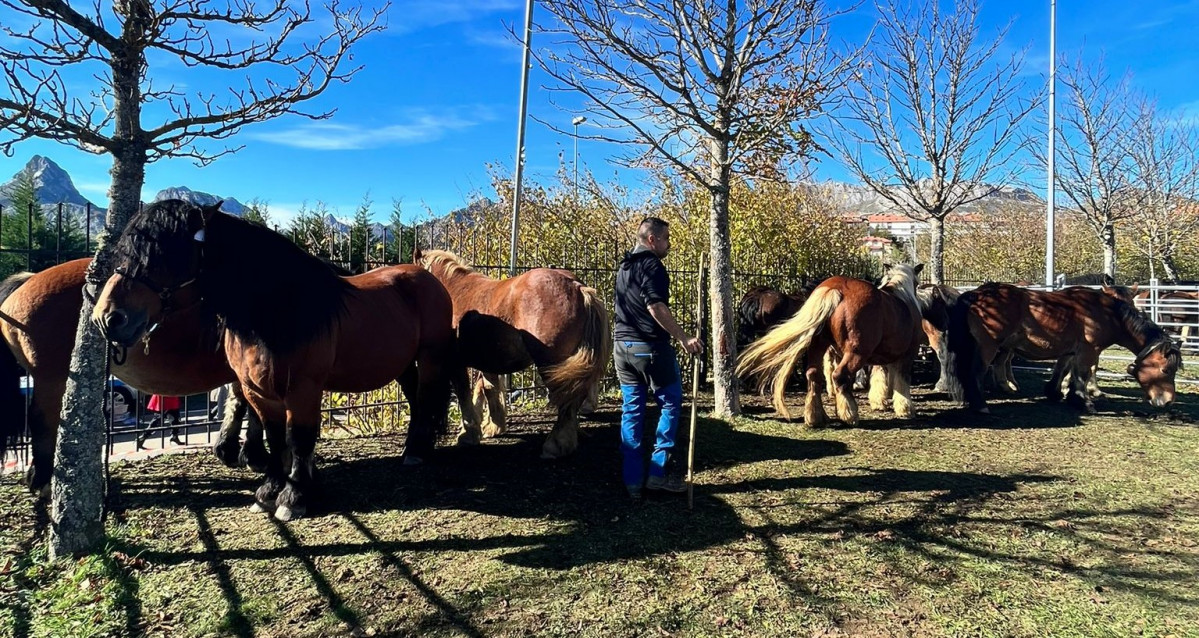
<point x="413" y="15"/>
<point x="333" y="136"/>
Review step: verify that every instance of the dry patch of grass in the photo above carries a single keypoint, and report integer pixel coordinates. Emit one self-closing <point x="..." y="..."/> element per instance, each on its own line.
<point x="1033" y="521"/>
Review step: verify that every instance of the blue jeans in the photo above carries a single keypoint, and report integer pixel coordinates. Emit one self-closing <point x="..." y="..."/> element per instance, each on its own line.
<point x="645" y="368"/>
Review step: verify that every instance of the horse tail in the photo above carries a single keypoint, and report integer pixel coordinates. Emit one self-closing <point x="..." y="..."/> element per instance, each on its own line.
<point x="779" y="350"/>
<point x="574" y="379"/>
<point x="12" y="402"/>
<point x="965" y="357"/>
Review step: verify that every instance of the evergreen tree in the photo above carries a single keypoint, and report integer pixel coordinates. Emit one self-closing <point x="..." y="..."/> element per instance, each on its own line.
<point x="258" y="211"/>
<point x="403" y="238"/>
<point x="360" y="235"/>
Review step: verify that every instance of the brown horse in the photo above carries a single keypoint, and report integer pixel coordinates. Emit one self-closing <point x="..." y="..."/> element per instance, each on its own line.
<point x="1074" y="324"/>
<point x="293" y="328"/>
<point x="1177" y="308"/>
<point x="545" y="318"/>
<point x="863" y="326"/>
<point x="763" y="308"/>
<point x="38" y="315"/>
<point x="1001" y="368"/>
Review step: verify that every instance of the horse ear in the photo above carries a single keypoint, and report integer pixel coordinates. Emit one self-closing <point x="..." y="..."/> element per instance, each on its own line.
<point x="886" y="266"/>
<point x="1108" y="281"/>
<point x="209" y="211"/>
<point x="917" y="269"/>
<point x="1133" y="288"/>
<point x="416" y="254"/>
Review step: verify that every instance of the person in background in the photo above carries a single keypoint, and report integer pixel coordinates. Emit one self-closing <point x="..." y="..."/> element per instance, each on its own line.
<point x="163" y="408"/>
<point x="646" y="361"/>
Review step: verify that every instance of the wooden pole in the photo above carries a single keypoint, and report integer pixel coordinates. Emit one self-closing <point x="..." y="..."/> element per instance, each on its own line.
<point x="695" y="360"/>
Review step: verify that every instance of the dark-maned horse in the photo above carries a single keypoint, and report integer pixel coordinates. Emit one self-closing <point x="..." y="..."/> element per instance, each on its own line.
<point x="38" y="317"/>
<point x="1178" y="308"/>
<point x="763" y="308"/>
<point x="936" y="303"/>
<point x="545" y="318"/>
<point x="293" y="328"/>
<point x="863" y="326"/>
<point x="1074" y="323"/>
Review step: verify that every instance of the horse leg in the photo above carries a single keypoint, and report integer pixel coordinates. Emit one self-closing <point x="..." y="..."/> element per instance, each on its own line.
<point x="880" y="388"/>
<point x="429" y="406"/>
<point x="43" y="434"/>
<point x="472" y="432"/>
<point x="830" y="363"/>
<point x="843" y="377"/>
<point x="1053" y="387"/>
<point x="814" y="414"/>
<point x="266" y="496"/>
<point x="303" y="427"/>
<point x="228" y="445"/>
<point x="899" y="377"/>
<point x="1093" y="383"/>
<point x="564" y="438"/>
<point x="861" y="380"/>
<point x="940" y="345"/>
<point x="1080" y="375"/>
<point x="1001" y="372"/>
<point x="495" y="388"/>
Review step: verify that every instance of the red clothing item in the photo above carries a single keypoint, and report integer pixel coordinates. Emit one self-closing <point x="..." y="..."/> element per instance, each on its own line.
<point x="166" y="404"/>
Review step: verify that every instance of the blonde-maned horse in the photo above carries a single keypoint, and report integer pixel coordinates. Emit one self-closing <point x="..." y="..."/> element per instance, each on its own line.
<point x="544" y="317"/>
<point x="863" y="326"/>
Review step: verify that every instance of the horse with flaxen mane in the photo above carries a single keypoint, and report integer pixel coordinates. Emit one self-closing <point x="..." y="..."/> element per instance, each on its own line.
<point x="293" y="329"/>
<point x="38" y="317"/>
<point x="1073" y="323"/>
<point x="543" y="317"/>
<point x="863" y="326"/>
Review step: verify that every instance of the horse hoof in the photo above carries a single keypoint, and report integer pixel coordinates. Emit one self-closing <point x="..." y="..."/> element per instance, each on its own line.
<point x="225" y="456"/>
<point x="257" y="508"/>
<point x="491" y="430"/>
<point x="466" y="438"/>
<point x="413" y="460"/>
<point x="285" y="513"/>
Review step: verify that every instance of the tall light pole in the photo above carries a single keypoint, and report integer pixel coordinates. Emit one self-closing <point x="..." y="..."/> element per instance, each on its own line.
<point x="1049" y="195"/>
<point x="579" y="119"/>
<point x="520" y="136"/>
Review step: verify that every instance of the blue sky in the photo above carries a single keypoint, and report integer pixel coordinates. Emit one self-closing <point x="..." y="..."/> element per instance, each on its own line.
<point x="437" y="103"/>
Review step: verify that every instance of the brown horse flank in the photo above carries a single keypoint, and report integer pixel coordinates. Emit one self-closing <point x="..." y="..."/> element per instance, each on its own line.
<point x="293" y="328"/>
<point x="1072" y="325"/>
<point x="543" y="317"/>
<point x="39" y="313"/>
<point x="863" y="326"/>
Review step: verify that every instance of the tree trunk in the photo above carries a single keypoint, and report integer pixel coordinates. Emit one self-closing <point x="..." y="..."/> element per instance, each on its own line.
<point x="1170" y="267"/>
<point x="1108" y="239"/>
<point x="720" y="291"/>
<point x="77" y="484"/>
<point x="936" y="251"/>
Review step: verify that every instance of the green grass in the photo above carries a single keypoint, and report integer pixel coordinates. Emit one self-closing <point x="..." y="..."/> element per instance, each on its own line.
<point x="1033" y="521"/>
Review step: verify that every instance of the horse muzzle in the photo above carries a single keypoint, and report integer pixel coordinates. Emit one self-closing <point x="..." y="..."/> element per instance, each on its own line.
<point x="1161" y="399"/>
<point x="121" y="327"/>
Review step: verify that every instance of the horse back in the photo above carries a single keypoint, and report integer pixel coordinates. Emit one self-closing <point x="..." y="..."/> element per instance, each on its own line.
<point x="880" y="322"/>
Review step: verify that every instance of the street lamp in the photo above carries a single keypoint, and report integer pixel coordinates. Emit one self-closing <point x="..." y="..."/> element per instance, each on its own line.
<point x="579" y="119"/>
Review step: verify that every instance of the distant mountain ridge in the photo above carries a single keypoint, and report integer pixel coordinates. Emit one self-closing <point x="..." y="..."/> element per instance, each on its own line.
<point x="861" y="199"/>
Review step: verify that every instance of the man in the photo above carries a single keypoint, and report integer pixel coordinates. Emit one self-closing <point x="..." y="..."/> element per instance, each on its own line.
<point x="645" y="359"/>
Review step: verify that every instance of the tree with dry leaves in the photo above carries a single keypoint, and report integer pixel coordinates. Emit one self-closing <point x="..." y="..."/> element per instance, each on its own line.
<point x="710" y="89"/>
<point x="1165" y="156"/>
<point x="930" y="121"/>
<point x="51" y="45"/>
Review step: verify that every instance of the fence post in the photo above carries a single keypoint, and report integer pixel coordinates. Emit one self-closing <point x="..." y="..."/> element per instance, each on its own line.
<point x="1153" y="298"/>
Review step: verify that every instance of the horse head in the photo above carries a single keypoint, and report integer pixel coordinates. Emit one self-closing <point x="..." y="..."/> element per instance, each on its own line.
<point x="156" y="256"/>
<point x="1154" y="369"/>
<point x="902" y="277"/>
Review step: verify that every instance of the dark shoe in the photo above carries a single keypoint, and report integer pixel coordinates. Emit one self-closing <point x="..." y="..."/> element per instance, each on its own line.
<point x="673" y="483"/>
<point x="141" y="443"/>
<point x="176" y="440"/>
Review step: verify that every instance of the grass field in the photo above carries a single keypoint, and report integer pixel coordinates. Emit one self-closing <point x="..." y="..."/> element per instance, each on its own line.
<point x="1033" y="521"/>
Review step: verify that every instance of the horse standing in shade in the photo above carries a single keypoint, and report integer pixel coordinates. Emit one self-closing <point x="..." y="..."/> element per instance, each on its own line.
<point x="936" y="303"/>
<point x="38" y="317"/>
<point x="1074" y="324"/>
<point x="763" y="308"/>
<point x="545" y="318"/>
<point x="293" y="329"/>
<point x="864" y="326"/>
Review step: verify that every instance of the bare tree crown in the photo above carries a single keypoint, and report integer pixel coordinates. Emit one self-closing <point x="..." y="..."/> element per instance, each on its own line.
<point x="267" y="44"/>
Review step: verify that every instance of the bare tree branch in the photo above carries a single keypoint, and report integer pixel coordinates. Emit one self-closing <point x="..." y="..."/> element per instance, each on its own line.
<point x="931" y="121"/>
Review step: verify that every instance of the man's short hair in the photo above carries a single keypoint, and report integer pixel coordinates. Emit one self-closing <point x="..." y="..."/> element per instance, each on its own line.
<point x="652" y="226"/>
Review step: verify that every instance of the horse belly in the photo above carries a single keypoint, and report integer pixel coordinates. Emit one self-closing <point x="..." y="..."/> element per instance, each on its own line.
<point x="370" y="361"/>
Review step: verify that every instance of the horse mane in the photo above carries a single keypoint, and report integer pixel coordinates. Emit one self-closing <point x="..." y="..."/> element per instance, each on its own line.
<point x="261" y="284"/>
<point x="11" y="283"/>
<point x="1138" y="323"/>
<point x="451" y="263"/>
<point x="900" y="280"/>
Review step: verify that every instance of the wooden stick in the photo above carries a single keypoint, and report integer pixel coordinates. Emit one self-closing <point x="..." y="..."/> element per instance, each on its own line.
<point x="695" y="360"/>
